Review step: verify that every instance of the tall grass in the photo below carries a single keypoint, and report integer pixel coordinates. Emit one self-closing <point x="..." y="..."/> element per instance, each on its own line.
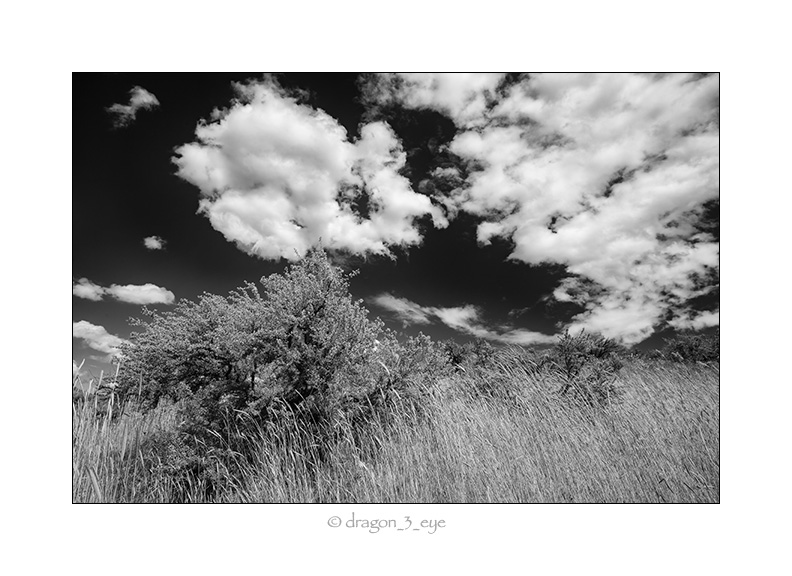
<point x="497" y="434"/>
<point x="108" y="461"/>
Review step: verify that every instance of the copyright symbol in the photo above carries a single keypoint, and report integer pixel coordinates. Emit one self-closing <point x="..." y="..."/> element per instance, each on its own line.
<point x="334" y="522"/>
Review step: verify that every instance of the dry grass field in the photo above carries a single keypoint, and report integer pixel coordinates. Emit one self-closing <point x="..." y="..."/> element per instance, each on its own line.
<point x="500" y="433"/>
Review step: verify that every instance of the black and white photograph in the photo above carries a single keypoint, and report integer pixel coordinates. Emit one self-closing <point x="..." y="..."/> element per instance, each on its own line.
<point x="426" y="288"/>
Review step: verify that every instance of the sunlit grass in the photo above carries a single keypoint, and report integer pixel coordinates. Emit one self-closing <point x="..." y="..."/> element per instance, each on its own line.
<point x="500" y="434"/>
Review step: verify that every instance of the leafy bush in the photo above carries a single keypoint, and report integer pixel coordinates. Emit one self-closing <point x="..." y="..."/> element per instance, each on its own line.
<point x="299" y="343"/>
<point x="454" y="351"/>
<point x="588" y="365"/>
<point x="689" y="347"/>
<point x="413" y="365"/>
<point x="472" y="354"/>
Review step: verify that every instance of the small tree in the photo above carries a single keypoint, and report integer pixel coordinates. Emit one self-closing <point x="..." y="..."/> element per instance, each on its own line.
<point x="294" y="343"/>
<point x="478" y="353"/>
<point x="692" y="347"/>
<point x="588" y="365"/>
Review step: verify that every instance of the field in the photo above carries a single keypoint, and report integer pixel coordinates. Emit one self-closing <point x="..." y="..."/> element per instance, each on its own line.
<point x="501" y="432"/>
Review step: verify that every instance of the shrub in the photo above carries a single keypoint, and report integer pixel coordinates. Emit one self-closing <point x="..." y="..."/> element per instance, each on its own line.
<point x="478" y="353"/>
<point x="482" y="352"/>
<point x="455" y="352"/>
<point x="299" y="343"/>
<point x="396" y="375"/>
<point x="588" y="365"/>
<point x="690" y="347"/>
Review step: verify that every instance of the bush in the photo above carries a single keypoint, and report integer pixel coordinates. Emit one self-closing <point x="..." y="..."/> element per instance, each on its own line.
<point x="688" y="347"/>
<point x="300" y="343"/>
<point x="588" y="365"/>
<point x="478" y="353"/>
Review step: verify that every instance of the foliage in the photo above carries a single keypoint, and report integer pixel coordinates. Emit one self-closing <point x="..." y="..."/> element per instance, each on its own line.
<point x="288" y="392"/>
<point x="478" y="353"/>
<point x="299" y="343"/>
<point x="413" y="365"/>
<point x="454" y="351"/>
<point x="693" y="347"/>
<point x="588" y="365"/>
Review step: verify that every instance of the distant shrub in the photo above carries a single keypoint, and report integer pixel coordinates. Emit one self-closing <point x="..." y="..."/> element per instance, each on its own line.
<point x="478" y="353"/>
<point x="588" y="365"/>
<point x="688" y="347"/>
<point x="482" y="352"/>
<point x="454" y="351"/>
<point x="419" y="362"/>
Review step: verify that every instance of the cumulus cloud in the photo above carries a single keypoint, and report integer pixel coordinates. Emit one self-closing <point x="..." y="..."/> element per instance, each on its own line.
<point x="96" y="337"/>
<point x="139" y="99"/>
<point x="154" y="243"/>
<point x="464" y="319"/>
<point x="130" y="293"/>
<point x="277" y="176"/>
<point x="607" y="174"/>
<point x="461" y="96"/>
<point x="84" y="288"/>
<point x="144" y="294"/>
<point x="688" y="320"/>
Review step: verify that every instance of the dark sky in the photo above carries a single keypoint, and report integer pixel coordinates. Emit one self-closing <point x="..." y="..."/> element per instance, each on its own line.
<point x="508" y="207"/>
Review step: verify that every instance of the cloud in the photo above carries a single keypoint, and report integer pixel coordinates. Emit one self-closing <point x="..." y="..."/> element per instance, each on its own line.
<point x="154" y="243"/>
<point x="96" y="337"/>
<point x="461" y="96"/>
<point x="405" y="310"/>
<point x="607" y="174"/>
<point x="467" y="319"/>
<point x="139" y="99"/>
<point x="84" y="288"/>
<point x="130" y="293"/>
<point x="277" y="176"/>
<point x="464" y="319"/>
<point x="696" y="320"/>
<point x="145" y="294"/>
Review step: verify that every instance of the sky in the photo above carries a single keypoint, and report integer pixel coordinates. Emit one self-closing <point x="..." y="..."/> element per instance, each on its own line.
<point x="509" y="207"/>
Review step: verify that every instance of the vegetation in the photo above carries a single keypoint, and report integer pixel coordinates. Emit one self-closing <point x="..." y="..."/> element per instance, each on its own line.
<point x="288" y="392"/>
<point x="694" y="348"/>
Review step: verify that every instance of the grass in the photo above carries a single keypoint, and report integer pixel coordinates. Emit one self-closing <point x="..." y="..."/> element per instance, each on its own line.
<point x="496" y="434"/>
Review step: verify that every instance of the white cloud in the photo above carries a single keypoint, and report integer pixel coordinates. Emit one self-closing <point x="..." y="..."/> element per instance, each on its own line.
<point x="459" y="318"/>
<point x="130" y="293"/>
<point x="96" y="337"/>
<point x="154" y="243"/>
<point x="145" y="294"/>
<point x="405" y="310"/>
<point x="461" y="96"/>
<point x="464" y="319"/>
<point x="606" y="174"/>
<point x="467" y="319"/>
<point x="276" y="176"/>
<point x="84" y="288"/>
<point x="696" y="320"/>
<point x="139" y="99"/>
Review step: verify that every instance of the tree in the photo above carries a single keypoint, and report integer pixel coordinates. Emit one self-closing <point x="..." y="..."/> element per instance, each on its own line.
<point x="588" y="364"/>
<point x="693" y="347"/>
<point x="298" y="342"/>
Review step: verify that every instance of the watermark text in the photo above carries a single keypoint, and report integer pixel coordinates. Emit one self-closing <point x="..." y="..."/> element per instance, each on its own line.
<point x="375" y="525"/>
